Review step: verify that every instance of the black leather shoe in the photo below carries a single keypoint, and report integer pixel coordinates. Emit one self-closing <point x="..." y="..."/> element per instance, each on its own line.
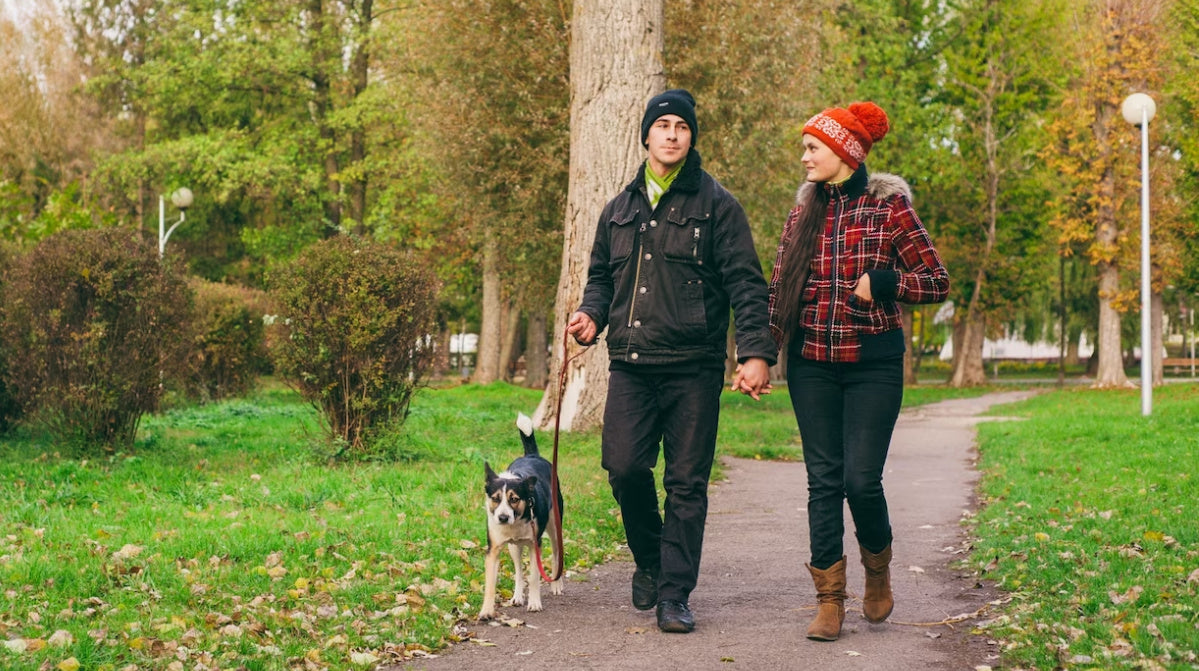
<point x="675" y="617"/>
<point x="645" y="589"/>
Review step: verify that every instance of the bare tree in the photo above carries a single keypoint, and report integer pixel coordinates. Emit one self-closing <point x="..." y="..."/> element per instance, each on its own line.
<point x="615" y="66"/>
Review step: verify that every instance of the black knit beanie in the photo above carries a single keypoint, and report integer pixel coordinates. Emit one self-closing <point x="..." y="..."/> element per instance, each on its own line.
<point x="674" y="101"/>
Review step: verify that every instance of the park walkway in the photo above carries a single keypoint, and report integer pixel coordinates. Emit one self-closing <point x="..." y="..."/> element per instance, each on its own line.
<point x="755" y="598"/>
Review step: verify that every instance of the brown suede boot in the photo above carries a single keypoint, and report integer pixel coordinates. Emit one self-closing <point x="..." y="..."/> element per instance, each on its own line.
<point x="877" y="603"/>
<point x="830" y="601"/>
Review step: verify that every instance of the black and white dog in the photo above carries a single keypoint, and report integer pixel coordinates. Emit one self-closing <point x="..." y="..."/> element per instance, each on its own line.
<point x="518" y="513"/>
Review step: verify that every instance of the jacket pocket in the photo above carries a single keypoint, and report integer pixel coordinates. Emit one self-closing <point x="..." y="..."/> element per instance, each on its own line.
<point x="867" y="316"/>
<point x="622" y="234"/>
<point x="686" y="240"/>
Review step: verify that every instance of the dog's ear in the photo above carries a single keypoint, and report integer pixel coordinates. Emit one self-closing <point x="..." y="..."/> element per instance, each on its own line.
<point x="488" y="472"/>
<point x="529" y="483"/>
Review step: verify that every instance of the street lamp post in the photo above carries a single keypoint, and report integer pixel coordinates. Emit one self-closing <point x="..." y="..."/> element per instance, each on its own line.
<point x="1138" y="109"/>
<point x="180" y="198"/>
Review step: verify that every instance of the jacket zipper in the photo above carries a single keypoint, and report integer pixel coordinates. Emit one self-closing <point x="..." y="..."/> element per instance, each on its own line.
<point x="832" y="307"/>
<point x="637" y="275"/>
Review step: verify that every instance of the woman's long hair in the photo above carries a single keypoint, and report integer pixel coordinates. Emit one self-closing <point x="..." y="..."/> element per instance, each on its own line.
<point x="799" y="244"/>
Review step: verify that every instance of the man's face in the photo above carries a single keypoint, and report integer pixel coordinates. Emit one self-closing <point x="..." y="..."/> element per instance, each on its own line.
<point x="668" y="140"/>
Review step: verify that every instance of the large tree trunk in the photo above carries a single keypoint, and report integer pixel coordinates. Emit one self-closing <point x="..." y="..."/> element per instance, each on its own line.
<point x="615" y="67"/>
<point x="1111" y="360"/>
<point x="487" y="360"/>
<point x="1107" y="234"/>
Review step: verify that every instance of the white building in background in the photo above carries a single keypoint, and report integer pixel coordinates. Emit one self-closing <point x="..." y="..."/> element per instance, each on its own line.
<point x="1010" y="347"/>
<point x="1014" y="348"/>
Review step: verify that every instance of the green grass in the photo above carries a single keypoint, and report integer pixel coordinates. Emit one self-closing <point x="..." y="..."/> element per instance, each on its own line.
<point x="224" y="539"/>
<point x="1089" y="520"/>
<point x="224" y="534"/>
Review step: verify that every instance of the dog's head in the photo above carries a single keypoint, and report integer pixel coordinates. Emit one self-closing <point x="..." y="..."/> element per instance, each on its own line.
<point x="509" y="497"/>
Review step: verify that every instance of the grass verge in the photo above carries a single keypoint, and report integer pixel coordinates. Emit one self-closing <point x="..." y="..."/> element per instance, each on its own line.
<point x="1088" y="520"/>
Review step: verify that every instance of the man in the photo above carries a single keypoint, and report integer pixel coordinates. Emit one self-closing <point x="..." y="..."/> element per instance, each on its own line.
<point x="672" y="252"/>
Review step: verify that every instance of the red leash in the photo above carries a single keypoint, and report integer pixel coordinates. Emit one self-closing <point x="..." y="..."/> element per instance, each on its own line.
<point x="555" y="510"/>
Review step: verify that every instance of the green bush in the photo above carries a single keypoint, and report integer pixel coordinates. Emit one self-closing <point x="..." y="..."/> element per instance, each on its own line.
<point x="354" y="315"/>
<point x="227" y="344"/>
<point x="92" y="322"/>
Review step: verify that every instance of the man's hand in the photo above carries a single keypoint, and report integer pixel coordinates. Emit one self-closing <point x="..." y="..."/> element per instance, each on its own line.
<point x="753" y="378"/>
<point x="582" y="328"/>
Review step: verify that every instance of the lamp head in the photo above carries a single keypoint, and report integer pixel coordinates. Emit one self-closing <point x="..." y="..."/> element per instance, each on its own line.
<point x="1138" y="107"/>
<point x="182" y="198"/>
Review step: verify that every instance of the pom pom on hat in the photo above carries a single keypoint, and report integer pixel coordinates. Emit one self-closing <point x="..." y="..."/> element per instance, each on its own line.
<point x="850" y="133"/>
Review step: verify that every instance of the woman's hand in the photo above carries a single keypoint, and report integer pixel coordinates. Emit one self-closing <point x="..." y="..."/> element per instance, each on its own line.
<point x="862" y="290"/>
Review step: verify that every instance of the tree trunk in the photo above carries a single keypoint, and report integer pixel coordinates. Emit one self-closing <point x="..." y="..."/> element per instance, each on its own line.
<point x="359" y="72"/>
<point x="536" y="349"/>
<point x="1107" y="234"/>
<point x="487" y="360"/>
<point x="909" y="370"/>
<point x="510" y="318"/>
<point x="968" y="358"/>
<point x="1111" y="361"/>
<point x="322" y="103"/>
<point x="615" y="67"/>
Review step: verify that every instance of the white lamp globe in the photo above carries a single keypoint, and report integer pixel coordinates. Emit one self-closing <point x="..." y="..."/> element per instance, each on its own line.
<point x="1138" y="107"/>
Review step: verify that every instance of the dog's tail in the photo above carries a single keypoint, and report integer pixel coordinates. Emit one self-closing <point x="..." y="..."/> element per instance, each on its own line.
<point x="526" y="434"/>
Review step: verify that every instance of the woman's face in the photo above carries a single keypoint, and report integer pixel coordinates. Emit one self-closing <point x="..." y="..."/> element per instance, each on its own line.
<point x="821" y="163"/>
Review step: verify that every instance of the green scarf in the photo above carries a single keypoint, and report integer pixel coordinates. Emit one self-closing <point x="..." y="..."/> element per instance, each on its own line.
<point x="656" y="186"/>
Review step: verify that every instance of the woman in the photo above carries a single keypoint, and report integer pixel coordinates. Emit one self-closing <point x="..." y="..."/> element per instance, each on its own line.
<point x="852" y="250"/>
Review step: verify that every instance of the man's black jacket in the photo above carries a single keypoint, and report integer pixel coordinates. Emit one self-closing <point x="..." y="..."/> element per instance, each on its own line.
<point x="662" y="279"/>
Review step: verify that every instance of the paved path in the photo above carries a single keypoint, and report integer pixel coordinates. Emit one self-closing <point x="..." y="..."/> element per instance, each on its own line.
<point x="755" y="598"/>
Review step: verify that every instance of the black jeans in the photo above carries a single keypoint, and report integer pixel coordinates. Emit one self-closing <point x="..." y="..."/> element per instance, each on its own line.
<point x="846" y="414"/>
<point x="681" y="411"/>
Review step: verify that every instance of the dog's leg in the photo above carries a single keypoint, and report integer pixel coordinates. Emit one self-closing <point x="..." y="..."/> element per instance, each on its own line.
<point x="492" y="570"/>
<point x="518" y="592"/>
<point x="534" y="579"/>
<point x="556" y="586"/>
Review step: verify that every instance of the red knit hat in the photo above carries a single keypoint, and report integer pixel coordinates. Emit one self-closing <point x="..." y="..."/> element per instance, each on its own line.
<point x="850" y="133"/>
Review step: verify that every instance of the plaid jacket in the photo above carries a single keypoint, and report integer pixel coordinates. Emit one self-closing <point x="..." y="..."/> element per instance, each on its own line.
<point x="871" y="229"/>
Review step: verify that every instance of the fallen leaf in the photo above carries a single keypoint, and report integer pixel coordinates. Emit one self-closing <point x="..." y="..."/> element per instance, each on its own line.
<point x="852" y="653"/>
<point x="363" y="658"/>
<point x="915" y="569"/>
<point x="129" y="551"/>
<point x="60" y="638"/>
<point x="68" y="664"/>
<point x="16" y="645"/>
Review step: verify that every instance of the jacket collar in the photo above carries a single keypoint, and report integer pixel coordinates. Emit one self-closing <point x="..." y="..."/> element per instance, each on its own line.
<point x="688" y="180"/>
<point x="851" y="188"/>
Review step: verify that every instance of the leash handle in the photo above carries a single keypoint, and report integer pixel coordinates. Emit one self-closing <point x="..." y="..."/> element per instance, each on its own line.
<point x="555" y="510"/>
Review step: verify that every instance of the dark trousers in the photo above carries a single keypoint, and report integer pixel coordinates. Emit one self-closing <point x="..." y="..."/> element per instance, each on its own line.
<point x="846" y="414"/>
<point x="681" y="411"/>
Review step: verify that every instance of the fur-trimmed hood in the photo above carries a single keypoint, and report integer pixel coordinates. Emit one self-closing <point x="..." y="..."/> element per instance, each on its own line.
<point x="878" y="185"/>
